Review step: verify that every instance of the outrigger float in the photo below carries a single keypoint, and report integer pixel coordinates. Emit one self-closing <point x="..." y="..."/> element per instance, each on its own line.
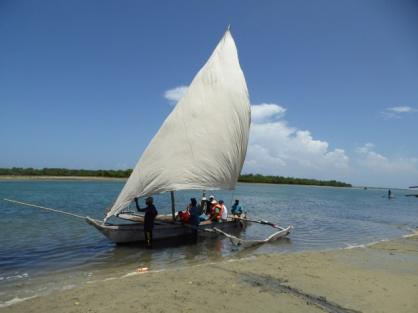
<point x="190" y="152"/>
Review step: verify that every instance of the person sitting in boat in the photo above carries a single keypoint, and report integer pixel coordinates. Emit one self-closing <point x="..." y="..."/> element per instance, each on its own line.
<point x="236" y="208"/>
<point x="224" y="215"/>
<point x="204" y="209"/>
<point x="150" y="214"/>
<point x="184" y="215"/>
<point x="194" y="212"/>
<point x="204" y="205"/>
<point x="216" y="212"/>
<point x="209" y="204"/>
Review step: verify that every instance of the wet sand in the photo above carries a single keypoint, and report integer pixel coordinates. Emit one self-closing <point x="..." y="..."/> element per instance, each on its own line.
<point x="378" y="278"/>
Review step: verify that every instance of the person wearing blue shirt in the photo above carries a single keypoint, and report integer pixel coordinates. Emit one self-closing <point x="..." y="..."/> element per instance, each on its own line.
<point x="194" y="212"/>
<point x="236" y="208"/>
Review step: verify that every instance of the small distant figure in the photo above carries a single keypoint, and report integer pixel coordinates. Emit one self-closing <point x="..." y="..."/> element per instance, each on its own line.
<point x="236" y="208"/>
<point x="224" y="212"/>
<point x="150" y="214"/>
<point x="389" y="193"/>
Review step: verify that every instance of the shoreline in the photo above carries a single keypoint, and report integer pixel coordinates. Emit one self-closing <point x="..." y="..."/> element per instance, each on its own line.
<point x="100" y="178"/>
<point x="380" y="277"/>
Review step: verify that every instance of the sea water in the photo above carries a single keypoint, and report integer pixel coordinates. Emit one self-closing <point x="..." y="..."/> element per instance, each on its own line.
<point x="41" y="252"/>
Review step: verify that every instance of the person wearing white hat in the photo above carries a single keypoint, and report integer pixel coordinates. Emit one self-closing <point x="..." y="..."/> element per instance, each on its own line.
<point x="209" y="204"/>
<point x="215" y="212"/>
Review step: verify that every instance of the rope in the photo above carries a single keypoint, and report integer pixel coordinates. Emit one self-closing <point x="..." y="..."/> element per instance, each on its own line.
<point x="45" y="208"/>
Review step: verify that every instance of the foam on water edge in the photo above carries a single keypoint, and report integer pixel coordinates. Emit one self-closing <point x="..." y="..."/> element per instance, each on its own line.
<point x="365" y="245"/>
<point x="354" y="246"/>
<point x="14" y="277"/>
<point x="14" y="301"/>
<point x="414" y="233"/>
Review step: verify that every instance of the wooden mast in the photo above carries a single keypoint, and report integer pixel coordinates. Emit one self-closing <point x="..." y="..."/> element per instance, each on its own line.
<point x="173" y="206"/>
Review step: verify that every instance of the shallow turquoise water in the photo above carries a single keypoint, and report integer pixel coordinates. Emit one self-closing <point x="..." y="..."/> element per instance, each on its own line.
<point x="42" y="251"/>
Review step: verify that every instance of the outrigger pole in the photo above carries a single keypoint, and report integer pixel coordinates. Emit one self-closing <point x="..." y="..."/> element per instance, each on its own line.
<point x="45" y="208"/>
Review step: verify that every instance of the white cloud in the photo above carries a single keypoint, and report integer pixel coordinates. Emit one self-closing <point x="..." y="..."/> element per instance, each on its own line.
<point x="401" y="109"/>
<point x="369" y="158"/>
<point x="397" y="111"/>
<point x="375" y="169"/>
<point x="175" y="94"/>
<point x="275" y="148"/>
<point x="265" y="112"/>
<point x="278" y="149"/>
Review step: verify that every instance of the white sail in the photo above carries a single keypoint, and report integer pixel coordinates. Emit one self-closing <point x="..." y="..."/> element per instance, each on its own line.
<point x="203" y="142"/>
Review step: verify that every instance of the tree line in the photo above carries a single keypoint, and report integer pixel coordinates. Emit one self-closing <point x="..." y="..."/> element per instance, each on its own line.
<point x="245" y="178"/>
<point x="19" y="171"/>
<point x="257" y="178"/>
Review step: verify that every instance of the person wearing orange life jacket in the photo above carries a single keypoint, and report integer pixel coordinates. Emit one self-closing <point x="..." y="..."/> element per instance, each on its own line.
<point x="216" y="212"/>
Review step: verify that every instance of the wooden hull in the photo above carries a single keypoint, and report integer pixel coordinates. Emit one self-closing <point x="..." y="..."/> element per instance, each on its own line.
<point x="134" y="232"/>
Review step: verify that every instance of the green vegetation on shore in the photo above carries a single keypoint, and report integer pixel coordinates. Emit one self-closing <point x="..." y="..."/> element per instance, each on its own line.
<point x="250" y="178"/>
<point x="18" y="171"/>
<point x="246" y="178"/>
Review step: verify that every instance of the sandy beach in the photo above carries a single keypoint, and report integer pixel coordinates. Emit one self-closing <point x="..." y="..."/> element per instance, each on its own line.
<point x="382" y="277"/>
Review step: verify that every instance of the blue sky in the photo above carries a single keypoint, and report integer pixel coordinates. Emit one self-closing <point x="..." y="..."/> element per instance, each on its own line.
<point x="334" y="84"/>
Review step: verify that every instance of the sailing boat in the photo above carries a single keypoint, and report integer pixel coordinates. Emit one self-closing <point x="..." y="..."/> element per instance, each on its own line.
<point x="188" y="152"/>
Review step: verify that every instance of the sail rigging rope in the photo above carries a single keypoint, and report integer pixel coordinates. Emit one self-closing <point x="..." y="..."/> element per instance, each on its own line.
<point x="45" y="208"/>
